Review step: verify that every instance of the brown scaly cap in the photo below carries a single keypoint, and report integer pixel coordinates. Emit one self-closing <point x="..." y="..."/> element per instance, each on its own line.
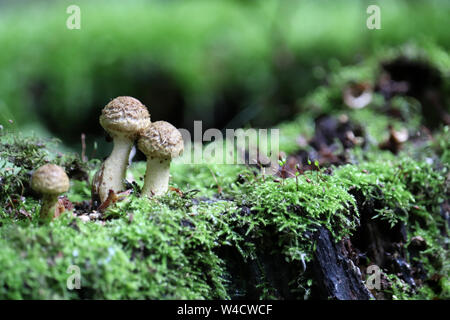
<point x="161" y="140"/>
<point x="50" y="179"/>
<point x="124" y="116"/>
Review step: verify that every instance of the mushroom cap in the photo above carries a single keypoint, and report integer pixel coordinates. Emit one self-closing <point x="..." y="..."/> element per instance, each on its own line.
<point x="50" y="179"/>
<point x="124" y="116"/>
<point x="161" y="140"/>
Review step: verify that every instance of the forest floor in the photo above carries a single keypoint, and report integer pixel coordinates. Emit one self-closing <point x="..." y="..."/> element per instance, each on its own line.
<point x="356" y="208"/>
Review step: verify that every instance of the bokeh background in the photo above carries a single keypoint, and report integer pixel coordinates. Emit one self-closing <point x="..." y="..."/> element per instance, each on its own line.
<point x="228" y="63"/>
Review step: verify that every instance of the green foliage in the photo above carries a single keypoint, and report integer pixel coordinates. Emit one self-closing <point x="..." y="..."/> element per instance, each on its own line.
<point x="69" y="76"/>
<point x="293" y="209"/>
<point x="152" y="249"/>
<point x="328" y="98"/>
<point x="21" y="155"/>
<point x="208" y="180"/>
<point x="172" y="246"/>
<point x="442" y="145"/>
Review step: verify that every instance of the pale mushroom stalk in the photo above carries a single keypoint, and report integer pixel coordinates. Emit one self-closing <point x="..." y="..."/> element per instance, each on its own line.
<point x="156" y="177"/>
<point x="49" y="206"/>
<point x="160" y="142"/>
<point x="50" y="180"/>
<point x="115" y="167"/>
<point x="123" y="118"/>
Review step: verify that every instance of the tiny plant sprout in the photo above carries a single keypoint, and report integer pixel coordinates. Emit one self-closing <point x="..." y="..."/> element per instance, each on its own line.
<point x="50" y="180"/>
<point x="123" y="118"/>
<point x="160" y="142"/>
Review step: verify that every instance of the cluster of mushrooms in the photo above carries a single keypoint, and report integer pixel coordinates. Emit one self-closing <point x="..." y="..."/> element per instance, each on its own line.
<point x="126" y="120"/>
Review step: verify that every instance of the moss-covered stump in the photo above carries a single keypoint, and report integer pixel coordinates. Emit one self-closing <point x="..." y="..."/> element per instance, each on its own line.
<point x="254" y="239"/>
<point x="350" y="191"/>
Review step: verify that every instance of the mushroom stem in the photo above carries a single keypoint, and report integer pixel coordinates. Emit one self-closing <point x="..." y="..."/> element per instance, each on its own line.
<point x="115" y="166"/>
<point x="156" y="177"/>
<point x="49" y="206"/>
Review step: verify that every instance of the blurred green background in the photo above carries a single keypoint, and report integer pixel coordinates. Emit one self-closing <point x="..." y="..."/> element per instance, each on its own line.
<point x="228" y="63"/>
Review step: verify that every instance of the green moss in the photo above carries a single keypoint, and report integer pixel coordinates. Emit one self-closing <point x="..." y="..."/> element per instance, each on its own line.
<point x="327" y="98"/>
<point x="441" y="145"/>
<point x="20" y="155"/>
<point x="223" y="229"/>
<point x="175" y="246"/>
<point x="151" y="249"/>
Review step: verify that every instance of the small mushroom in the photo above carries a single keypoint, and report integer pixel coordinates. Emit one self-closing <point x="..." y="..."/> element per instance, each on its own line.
<point x="357" y="95"/>
<point x="123" y="118"/>
<point x="50" y="180"/>
<point x="395" y="141"/>
<point x="160" y="142"/>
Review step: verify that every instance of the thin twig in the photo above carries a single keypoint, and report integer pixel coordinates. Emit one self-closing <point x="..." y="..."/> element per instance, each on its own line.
<point x="219" y="188"/>
<point x="83" y="148"/>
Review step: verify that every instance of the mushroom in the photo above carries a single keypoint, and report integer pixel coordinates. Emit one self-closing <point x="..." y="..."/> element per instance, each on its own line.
<point x="123" y="118"/>
<point x="160" y="142"/>
<point x="357" y="95"/>
<point x="395" y="141"/>
<point x="50" y="180"/>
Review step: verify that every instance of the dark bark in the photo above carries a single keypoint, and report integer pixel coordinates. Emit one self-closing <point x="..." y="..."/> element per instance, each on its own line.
<point x="335" y="274"/>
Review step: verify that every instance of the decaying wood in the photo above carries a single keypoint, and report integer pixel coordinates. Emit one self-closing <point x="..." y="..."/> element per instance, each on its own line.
<point x="336" y="275"/>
